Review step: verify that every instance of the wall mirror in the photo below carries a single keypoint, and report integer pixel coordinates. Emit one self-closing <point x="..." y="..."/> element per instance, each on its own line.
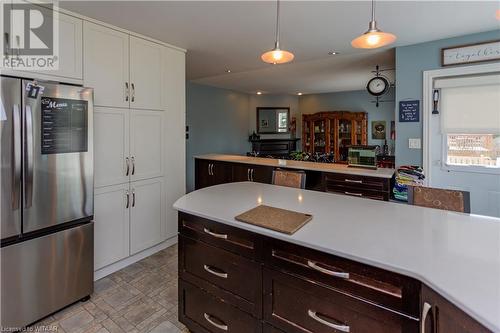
<point x="273" y="120"/>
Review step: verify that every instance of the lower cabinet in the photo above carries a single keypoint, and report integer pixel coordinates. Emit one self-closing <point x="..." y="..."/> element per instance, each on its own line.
<point x="128" y="218"/>
<point x="146" y="214"/>
<point x="252" y="173"/>
<point x="228" y="282"/>
<point x="111" y="227"/>
<point x="210" y="173"/>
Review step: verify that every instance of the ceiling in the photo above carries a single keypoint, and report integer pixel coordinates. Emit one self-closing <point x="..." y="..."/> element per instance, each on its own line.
<point x="221" y="35"/>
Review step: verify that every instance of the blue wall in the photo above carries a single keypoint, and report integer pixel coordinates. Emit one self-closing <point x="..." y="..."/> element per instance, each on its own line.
<point x="359" y="100"/>
<point x="411" y="61"/>
<point x="218" y="122"/>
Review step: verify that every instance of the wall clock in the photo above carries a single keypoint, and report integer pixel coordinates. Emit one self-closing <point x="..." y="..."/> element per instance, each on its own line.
<point x="378" y="86"/>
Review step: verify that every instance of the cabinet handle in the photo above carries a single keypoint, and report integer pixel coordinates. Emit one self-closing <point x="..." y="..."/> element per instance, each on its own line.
<point x="314" y="315"/>
<point x="127" y="196"/>
<point x="127" y="162"/>
<point x="211" y="169"/>
<point x="133" y="165"/>
<point x="353" y="181"/>
<point x="18" y="42"/>
<point x="425" y="311"/>
<point x="210" y="320"/>
<point x="248" y="174"/>
<point x="216" y="235"/>
<point x="251" y="175"/>
<point x="211" y="271"/>
<point x="133" y="198"/>
<point x="315" y="266"/>
<point x="133" y="92"/>
<point x="127" y="92"/>
<point x="354" y="194"/>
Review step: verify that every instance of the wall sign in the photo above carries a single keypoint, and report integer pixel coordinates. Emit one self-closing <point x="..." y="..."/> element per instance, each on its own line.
<point x="409" y="111"/>
<point x="471" y="53"/>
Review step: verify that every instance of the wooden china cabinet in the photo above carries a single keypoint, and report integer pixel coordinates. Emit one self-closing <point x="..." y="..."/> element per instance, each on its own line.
<point x="333" y="132"/>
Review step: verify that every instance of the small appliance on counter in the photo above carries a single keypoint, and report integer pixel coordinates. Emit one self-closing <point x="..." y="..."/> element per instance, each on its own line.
<point x="362" y="157"/>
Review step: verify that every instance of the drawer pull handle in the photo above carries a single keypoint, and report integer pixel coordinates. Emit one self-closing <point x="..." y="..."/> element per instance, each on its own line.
<point x="216" y="235"/>
<point x="212" y="322"/>
<point x="425" y="311"/>
<point x="353" y="181"/>
<point x="211" y="271"/>
<point x="354" y="194"/>
<point x="342" y="328"/>
<point x="315" y="266"/>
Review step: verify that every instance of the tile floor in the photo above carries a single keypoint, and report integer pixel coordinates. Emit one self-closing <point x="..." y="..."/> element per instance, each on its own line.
<point x="137" y="299"/>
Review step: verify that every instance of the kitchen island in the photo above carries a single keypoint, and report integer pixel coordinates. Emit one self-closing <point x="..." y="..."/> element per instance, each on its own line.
<point x="214" y="169"/>
<point x="385" y="267"/>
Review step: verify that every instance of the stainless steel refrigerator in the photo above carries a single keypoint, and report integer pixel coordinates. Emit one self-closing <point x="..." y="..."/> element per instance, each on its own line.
<point x="46" y="200"/>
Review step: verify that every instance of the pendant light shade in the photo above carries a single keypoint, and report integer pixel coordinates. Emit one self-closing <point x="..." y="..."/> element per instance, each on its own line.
<point x="277" y="55"/>
<point x="374" y="37"/>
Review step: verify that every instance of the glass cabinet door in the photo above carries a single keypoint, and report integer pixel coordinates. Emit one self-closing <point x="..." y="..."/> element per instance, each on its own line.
<point x="344" y="138"/>
<point x="319" y="136"/>
<point x="307" y="137"/>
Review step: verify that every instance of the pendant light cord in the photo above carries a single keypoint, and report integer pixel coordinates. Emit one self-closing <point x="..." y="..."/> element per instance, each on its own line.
<point x="277" y="40"/>
<point x="373" y="10"/>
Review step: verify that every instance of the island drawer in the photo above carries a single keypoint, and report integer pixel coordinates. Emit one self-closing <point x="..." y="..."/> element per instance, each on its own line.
<point x="357" y="192"/>
<point x="374" y="285"/>
<point x="296" y="306"/>
<point x="206" y="313"/>
<point x="356" y="181"/>
<point x="220" y="235"/>
<point x="221" y="268"/>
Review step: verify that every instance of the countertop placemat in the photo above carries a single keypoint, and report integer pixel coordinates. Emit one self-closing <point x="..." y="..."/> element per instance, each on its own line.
<point x="277" y="219"/>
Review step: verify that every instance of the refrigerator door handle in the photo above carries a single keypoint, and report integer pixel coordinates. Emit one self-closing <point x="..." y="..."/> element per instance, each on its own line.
<point x="16" y="154"/>
<point x="28" y="158"/>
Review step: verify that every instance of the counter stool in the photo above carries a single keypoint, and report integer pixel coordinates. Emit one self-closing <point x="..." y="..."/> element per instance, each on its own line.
<point x="288" y="178"/>
<point x="458" y="201"/>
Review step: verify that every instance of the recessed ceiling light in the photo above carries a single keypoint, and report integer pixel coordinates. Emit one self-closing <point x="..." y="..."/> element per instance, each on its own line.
<point x="300" y="94"/>
<point x="228" y="71"/>
<point x="259" y="92"/>
<point x="333" y="53"/>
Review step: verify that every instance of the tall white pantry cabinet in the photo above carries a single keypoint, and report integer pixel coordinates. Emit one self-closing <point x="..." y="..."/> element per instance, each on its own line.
<point x="139" y="122"/>
<point x="139" y="133"/>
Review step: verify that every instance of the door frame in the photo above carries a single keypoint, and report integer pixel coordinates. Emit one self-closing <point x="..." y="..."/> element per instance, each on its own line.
<point x="427" y="92"/>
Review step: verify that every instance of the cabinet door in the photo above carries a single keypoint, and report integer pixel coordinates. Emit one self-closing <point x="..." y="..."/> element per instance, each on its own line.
<point x="203" y="175"/>
<point x="262" y="174"/>
<point x="146" y="144"/>
<point x="111" y="228"/>
<point x="70" y="63"/>
<point x="146" y="216"/>
<point x="111" y="146"/>
<point x="221" y="173"/>
<point x="145" y="74"/>
<point x="106" y="64"/>
<point x="241" y="172"/>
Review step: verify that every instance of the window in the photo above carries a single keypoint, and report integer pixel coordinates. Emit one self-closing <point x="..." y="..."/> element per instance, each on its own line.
<point x="283" y="121"/>
<point x="482" y="150"/>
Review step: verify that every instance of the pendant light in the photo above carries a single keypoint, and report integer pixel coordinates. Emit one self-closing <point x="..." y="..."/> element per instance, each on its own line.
<point x="374" y="37"/>
<point x="277" y="55"/>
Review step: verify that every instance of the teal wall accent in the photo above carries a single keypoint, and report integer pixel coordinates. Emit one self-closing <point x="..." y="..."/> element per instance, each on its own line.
<point x="356" y="101"/>
<point x="218" y="123"/>
<point x="411" y="62"/>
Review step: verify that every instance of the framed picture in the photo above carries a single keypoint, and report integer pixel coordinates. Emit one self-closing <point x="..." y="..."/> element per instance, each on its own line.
<point x="378" y="129"/>
<point x="264" y="123"/>
<point x="471" y="53"/>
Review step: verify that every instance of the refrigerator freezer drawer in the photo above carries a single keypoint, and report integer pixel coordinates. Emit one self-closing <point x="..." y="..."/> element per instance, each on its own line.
<point x="44" y="274"/>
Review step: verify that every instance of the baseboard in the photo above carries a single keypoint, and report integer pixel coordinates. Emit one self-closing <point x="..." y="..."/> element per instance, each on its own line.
<point x="105" y="271"/>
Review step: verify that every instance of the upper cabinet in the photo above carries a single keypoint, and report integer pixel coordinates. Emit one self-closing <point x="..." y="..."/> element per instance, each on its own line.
<point x="106" y="65"/>
<point x="123" y="69"/>
<point x="145" y="78"/>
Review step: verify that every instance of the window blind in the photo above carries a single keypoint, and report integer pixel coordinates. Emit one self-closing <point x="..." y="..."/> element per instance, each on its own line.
<point x="470" y="105"/>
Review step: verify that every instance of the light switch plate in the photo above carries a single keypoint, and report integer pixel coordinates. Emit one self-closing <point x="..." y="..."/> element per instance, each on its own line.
<point x="414" y="143"/>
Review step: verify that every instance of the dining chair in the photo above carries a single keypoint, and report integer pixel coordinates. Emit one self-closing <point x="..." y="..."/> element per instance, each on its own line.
<point x="296" y="179"/>
<point x="454" y="200"/>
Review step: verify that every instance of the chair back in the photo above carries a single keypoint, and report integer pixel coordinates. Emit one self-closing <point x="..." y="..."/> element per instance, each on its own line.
<point x="296" y="179"/>
<point x="454" y="200"/>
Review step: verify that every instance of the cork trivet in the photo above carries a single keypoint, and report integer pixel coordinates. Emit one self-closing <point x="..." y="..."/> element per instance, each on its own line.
<point x="277" y="219"/>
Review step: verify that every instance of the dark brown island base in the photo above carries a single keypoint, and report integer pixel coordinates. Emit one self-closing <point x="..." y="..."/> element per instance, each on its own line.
<point x="335" y="178"/>
<point x="234" y="280"/>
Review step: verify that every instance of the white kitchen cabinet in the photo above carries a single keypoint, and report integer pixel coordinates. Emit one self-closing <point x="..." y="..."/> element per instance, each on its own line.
<point x="145" y="74"/>
<point x="112" y="226"/>
<point x="146" y="144"/>
<point x="146" y="214"/>
<point x="106" y="65"/>
<point x="111" y="146"/>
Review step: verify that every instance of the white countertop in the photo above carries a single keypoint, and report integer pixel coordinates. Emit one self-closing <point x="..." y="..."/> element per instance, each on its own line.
<point x="313" y="166"/>
<point x="457" y="255"/>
